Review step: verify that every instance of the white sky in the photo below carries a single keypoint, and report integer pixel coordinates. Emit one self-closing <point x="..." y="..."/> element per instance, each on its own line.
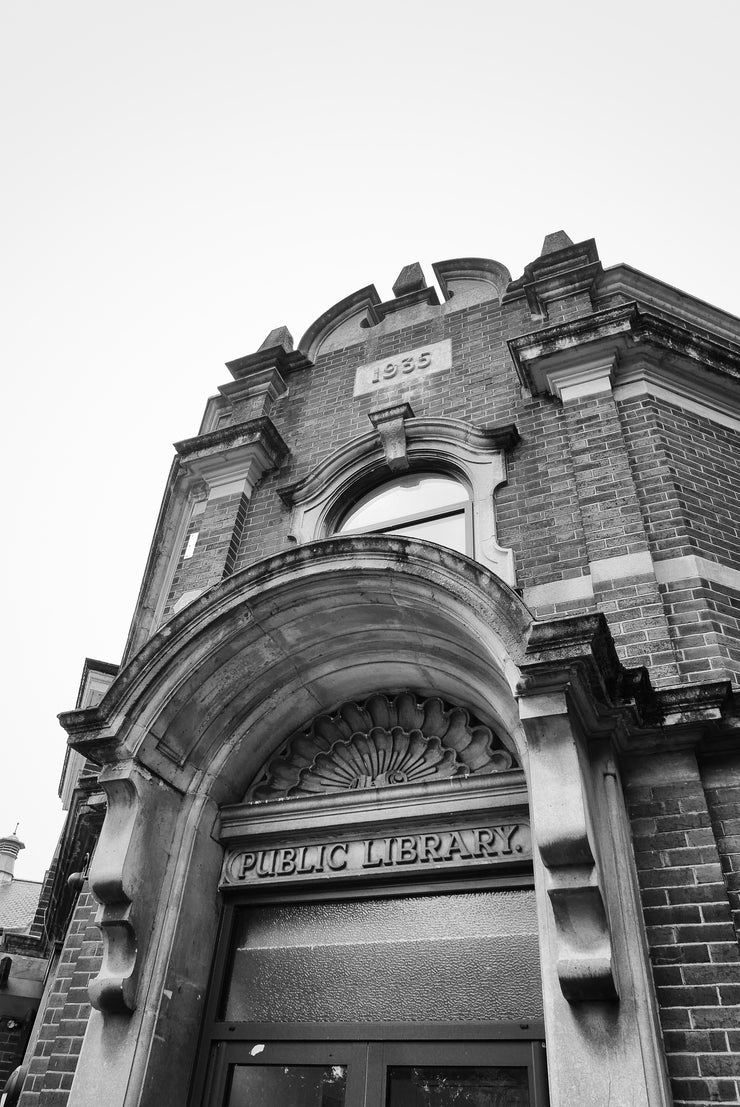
<point x="181" y="177"/>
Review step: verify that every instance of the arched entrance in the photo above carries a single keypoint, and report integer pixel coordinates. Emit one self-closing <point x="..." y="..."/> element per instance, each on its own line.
<point x="380" y="937"/>
<point x="211" y="707"/>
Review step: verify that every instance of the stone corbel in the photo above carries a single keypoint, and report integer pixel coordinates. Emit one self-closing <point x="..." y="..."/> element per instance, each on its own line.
<point x="389" y="423"/>
<point x="584" y="947"/>
<point x="125" y="877"/>
<point x="573" y="687"/>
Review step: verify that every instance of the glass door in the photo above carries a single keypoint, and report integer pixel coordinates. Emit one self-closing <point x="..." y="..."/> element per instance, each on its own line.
<point x="379" y="1074"/>
<point x="290" y="1074"/>
<point x="458" y="1074"/>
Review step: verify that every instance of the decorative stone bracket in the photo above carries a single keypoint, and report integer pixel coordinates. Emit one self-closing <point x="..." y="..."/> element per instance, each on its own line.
<point x="129" y="862"/>
<point x="389" y="423"/>
<point x="584" y="954"/>
<point x="573" y="684"/>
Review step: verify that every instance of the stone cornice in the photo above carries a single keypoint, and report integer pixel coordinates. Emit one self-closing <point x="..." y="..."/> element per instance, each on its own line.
<point x="274" y="357"/>
<point x="577" y="655"/>
<point x="556" y="275"/>
<point x="244" y="451"/>
<point x="241" y="434"/>
<point x="702" y="717"/>
<point x="652" y="294"/>
<point x="642" y="344"/>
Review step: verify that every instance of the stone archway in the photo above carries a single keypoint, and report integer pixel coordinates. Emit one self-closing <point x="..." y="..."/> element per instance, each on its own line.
<point x="196" y="714"/>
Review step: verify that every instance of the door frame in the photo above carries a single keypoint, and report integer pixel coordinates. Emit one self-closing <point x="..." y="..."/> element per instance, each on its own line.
<point x="369" y="1049"/>
<point x="214" y="1031"/>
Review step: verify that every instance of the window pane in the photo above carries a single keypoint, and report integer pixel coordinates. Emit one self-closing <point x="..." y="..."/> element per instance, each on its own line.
<point x="470" y="955"/>
<point x="287" y="1086"/>
<point x="448" y="530"/>
<point x="429" y="1086"/>
<point x="408" y="495"/>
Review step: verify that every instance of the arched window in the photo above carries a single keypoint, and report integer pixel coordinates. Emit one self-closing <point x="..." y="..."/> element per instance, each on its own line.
<point x="431" y="506"/>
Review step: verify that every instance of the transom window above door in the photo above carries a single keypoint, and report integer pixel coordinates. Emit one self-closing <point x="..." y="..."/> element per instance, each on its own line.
<point x="431" y="506"/>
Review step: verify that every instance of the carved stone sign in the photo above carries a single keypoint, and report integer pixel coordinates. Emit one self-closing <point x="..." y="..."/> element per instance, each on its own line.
<point x="400" y="370"/>
<point x="447" y="849"/>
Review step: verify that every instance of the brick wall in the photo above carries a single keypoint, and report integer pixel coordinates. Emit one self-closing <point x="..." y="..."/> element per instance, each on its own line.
<point x="592" y="480"/>
<point x="722" y="785"/>
<point x="687" y="476"/>
<point x="13" y="1035"/>
<point x="217" y="528"/>
<point x="64" y="1019"/>
<point x="693" y="945"/>
<point x="704" y="619"/>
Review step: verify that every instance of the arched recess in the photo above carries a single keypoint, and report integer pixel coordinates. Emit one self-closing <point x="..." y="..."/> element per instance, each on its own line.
<point x="194" y="716"/>
<point x="444" y="445"/>
<point x="196" y="713"/>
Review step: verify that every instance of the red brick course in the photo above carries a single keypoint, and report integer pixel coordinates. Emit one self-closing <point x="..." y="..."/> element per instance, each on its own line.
<point x="687" y="473"/>
<point x="64" y="1020"/>
<point x="693" y="947"/>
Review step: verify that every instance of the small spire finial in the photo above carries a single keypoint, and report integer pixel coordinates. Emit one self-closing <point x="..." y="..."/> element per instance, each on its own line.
<point x="410" y="279"/>
<point x="280" y="336"/>
<point x="558" y="240"/>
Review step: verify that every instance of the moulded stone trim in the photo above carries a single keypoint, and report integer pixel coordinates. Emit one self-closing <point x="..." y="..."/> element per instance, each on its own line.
<point x="669" y="570"/>
<point x="477" y="455"/>
<point x="471" y="280"/>
<point x="241" y="453"/>
<point x="326" y="597"/>
<point x="645" y="346"/>
<point x="568" y="590"/>
<point x="427" y="801"/>
<point x="352" y="309"/>
<point x="675" y="393"/>
<point x="575" y="382"/>
<point x="632" y="284"/>
<point x="622" y="567"/>
<point x="116" y="873"/>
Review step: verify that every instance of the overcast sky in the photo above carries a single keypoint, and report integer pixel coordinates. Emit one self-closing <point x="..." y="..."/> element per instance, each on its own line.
<point x="179" y="178"/>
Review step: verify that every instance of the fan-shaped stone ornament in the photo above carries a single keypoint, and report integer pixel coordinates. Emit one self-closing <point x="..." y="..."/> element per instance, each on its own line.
<point x="383" y="741"/>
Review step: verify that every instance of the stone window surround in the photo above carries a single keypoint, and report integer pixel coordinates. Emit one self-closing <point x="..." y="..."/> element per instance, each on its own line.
<point x="401" y="442"/>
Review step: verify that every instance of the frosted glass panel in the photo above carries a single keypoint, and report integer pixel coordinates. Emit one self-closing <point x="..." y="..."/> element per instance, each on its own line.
<point x="467" y="956"/>
<point x="427" y="1086"/>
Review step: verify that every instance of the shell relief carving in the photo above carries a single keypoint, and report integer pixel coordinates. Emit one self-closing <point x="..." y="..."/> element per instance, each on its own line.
<point x="380" y="742"/>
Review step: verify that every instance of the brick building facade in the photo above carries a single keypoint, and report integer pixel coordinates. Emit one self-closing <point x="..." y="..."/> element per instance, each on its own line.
<point x="433" y="674"/>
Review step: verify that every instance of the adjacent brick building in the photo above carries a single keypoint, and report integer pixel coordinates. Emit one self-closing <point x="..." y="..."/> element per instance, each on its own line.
<point x="419" y="775"/>
<point x="22" y="961"/>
